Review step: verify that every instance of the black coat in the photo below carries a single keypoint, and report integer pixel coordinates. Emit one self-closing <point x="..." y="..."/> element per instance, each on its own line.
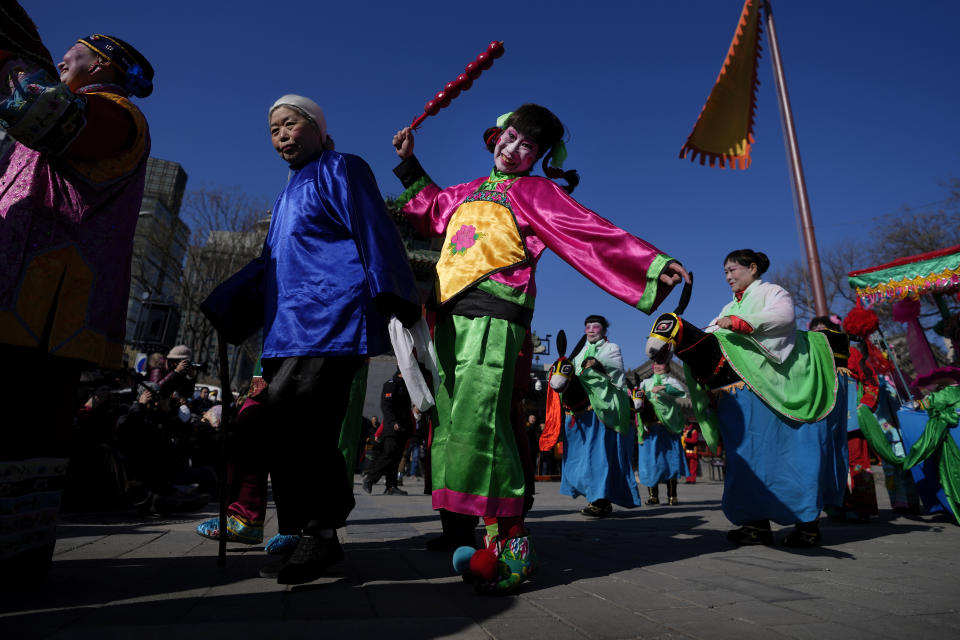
<point x="395" y="406"/>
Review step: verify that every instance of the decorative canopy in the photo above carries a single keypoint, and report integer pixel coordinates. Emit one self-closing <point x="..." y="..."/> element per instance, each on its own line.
<point x="911" y="276"/>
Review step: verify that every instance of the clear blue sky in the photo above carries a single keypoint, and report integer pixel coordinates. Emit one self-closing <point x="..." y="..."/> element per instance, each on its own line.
<point x="874" y="86"/>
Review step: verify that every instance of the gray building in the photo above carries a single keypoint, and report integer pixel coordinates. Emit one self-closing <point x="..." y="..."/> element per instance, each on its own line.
<point x="159" y="249"/>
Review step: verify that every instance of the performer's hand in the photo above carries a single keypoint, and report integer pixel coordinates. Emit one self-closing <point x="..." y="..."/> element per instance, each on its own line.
<point x="596" y="365"/>
<point x="725" y="322"/>
<point x="658" y="388"/>
<point x="673" y="273"/>
<point x="403" y="142"/>
<point x="396" y="427"/>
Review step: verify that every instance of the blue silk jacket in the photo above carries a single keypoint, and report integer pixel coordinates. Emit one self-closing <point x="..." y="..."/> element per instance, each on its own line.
<point x="332" y="249"/>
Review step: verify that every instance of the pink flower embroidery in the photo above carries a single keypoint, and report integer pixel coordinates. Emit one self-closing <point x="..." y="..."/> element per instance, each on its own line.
<point x="465" y="237"/>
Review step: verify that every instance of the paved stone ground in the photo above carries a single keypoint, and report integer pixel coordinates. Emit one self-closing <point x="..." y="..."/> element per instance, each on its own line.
<point x="652" y="572"/>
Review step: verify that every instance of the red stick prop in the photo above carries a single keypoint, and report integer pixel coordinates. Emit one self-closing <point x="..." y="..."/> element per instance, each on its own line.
<point x="463" y="82"/>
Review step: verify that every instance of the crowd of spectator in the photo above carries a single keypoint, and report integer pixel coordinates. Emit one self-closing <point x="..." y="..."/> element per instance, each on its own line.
<point x="145" y="441"/>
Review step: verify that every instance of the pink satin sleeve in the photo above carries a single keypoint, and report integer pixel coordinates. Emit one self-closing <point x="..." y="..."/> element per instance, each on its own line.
<point x="430" y="210"/>
<point x="614" y="260"/>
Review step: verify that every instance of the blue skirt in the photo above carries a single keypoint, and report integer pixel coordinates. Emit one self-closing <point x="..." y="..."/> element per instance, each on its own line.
<point x="660" y="457"/>
<point x="779" y="469"/>
<point x="596" y="462"/>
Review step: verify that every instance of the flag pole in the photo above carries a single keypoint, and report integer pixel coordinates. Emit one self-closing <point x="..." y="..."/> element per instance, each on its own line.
<point x="801" y="201"/>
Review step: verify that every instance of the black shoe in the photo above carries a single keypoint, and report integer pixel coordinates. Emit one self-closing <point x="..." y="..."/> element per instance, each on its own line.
<point x="309" y="560"/>
<point x="367" y="485"/>
<point x="394" y="491"/>
<point x="748" y="534"/>
<point x="594" y="511"/>
<point x="272" y="569"/>
<point x="802" y="539"/>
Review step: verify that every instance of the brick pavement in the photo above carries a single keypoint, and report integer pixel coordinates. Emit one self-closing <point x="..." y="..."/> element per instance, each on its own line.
<point x="652" y="572"/>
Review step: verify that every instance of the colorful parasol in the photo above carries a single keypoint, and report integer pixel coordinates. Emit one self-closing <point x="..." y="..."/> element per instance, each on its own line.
<point x="909" y="277"/>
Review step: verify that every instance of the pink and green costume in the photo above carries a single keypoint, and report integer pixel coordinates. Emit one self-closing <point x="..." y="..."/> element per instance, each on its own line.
<point x="495" y="231"/>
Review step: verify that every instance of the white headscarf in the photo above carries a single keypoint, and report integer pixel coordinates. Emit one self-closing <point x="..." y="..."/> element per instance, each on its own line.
<point x="305" y="106"/>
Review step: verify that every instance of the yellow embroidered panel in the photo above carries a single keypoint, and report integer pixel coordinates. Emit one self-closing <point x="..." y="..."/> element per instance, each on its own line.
<point x="482" y="237"/>
<point x="58" y="277"/>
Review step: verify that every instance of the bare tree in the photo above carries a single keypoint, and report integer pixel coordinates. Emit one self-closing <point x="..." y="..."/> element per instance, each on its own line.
<point x="835" y="263"/>
<point x="228" y="228"/>
<point x="910" y="231"/>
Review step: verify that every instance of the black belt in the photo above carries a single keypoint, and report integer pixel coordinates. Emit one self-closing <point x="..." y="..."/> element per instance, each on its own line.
<point x="478" y="304"/>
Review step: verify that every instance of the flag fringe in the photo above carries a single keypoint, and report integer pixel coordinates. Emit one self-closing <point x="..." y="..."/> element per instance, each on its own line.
<point x="726" y="160"/>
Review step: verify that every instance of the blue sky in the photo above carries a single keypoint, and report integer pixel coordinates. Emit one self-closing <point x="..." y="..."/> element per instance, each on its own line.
<point x="874" y="86"/>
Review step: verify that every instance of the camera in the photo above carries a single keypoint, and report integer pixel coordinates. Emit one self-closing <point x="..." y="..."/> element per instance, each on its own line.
<point x="198" y="366"/>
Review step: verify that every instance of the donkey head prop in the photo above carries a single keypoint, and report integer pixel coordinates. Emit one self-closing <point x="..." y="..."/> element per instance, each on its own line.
<point x="698" y="349"/>
<point x="563" y="375"/>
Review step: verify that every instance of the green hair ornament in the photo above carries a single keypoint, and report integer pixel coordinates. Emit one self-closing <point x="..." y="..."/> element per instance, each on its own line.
<point x="559" y="154"/>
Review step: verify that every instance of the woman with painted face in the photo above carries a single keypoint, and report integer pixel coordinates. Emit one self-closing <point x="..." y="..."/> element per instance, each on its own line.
<point x="781" y="433"/>
<point x="495" y="229"/>
<point x="599" y="441"/>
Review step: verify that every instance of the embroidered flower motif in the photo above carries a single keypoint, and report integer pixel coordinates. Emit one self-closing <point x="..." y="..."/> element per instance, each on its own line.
<point x="465" y="237"/>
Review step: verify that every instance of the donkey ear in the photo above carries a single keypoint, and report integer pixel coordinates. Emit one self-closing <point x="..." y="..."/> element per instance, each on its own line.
<point x="561" y="344"/>
<point x="579" y="346"/>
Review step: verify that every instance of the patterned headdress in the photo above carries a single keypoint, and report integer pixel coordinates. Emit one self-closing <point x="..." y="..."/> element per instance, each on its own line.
<point x="137" y="72"/>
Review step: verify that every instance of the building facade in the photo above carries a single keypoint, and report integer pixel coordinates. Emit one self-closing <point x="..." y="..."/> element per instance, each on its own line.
<point x="159" y="249"/>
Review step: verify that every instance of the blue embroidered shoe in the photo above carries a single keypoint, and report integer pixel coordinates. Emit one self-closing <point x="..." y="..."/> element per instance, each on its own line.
<point x="281" y="544"/>
<point x="237" y="530"/>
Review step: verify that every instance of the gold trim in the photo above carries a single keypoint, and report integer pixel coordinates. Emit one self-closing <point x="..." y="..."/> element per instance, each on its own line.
<point x="908" y="283"/>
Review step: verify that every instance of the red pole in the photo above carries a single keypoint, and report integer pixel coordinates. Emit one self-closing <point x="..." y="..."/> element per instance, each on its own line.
<point x="801" y="201"/>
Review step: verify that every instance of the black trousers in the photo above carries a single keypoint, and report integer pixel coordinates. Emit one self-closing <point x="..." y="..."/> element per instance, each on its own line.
<point x="387" y="462"/>
<point x="38" y="393"/>
<point x="308" y="398"/>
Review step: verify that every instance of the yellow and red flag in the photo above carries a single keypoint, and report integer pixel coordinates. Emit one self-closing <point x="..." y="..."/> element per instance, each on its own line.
<point x="724" y="131"/>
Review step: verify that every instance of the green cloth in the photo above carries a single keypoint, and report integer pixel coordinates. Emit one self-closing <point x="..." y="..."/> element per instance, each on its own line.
<point x="873" y="432"/>
<point x="934" y="441"/>
<point x="475" y="464"/>
<point x="497" y="176"/>
<point x="645" y="303"/>
<point x="353" y="420"/>
<point x="411" y="192"/>
<point x="702" y="409"/>
<point x="803" y="388"/>
<point x="506" y="292"/>
<point x="610" y="403"/>
<point x="949" y="468"/>
<point x="942" y="409"/>
<point x="664" y="405"/>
